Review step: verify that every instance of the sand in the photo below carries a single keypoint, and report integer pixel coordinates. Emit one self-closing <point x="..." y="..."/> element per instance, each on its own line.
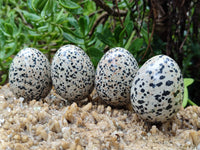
<point x="55" y="124"/>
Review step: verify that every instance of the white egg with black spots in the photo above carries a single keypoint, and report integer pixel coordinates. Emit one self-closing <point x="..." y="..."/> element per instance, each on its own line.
<point x="157" y="89"/>
<point x="72" y="73"/>
<point x="114" y="75"/>
<point x="30" y="74"/>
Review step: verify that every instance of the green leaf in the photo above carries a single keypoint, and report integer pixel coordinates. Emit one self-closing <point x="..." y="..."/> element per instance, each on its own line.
<point x="117" y="32"/>
<point x="129" y="28"/>
<point x="73" y="39"/>
<point x="128" y="18"/>
<point x="38" y="5"/>
<point x="73" y="22"/>
<point x="192" y="103"/>
<point x="22" y="37"/>
<point x="95" y="55"/>
<point x="2" y="53"/>
<point x="1" y="4"/>
<point x="69" y="4"/>
<point x="106" y="36"/>
<point x="105" y="39"/>
<point x="11" y="50"/>
<point x="18" y="29"/>
<point x="75" y="33"/>
<point x="128" y="44"/>
<point x="91" y="22"/>
<point x="94" y="52"/>
<point x="185" y="99"/>
<point x="43" y="28"/>
<point x="94" y="61"/>
<point x="145" y="35"/>
<point x="29" y="4"/>
<point x="31" y="16"/>
<point x="33" y="34"/>
<point x="8" y="62"/>
<point x="8" y="28"/>
<point x="48" y="9"/>
<point x="78" y="11"/>
<point x="84" y="24"/>
<point x="89" y="7"/>
<point x="136" y="45"/>
<point x="91" y="41"/>
<point x="3" y="79"/>
<point x="188" y="81"/>
<point x="2" y="39"/>
<point x="62" y="19"/>
<point x="121" y="37"/>
<point x="59" y="15"/>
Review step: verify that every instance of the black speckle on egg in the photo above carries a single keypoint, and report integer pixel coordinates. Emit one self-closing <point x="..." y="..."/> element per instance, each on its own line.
<point x="159" y="84"/>
<point x="162" y="77"/>
<point x="169" y="83"/>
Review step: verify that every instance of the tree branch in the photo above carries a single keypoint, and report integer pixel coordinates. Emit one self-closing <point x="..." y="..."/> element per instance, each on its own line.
<point x="99" y="20"/>
<point x="119" y="15"/>
<point x="109" y="10"/>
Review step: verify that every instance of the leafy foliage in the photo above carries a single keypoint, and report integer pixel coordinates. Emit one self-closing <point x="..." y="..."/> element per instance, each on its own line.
<point x="186" y="100"/>
<point x="97" y="26"/>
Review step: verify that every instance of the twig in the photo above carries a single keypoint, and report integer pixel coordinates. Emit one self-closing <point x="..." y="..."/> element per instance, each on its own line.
<point x="101" y="17"/>
<point x="23" y="19"/>
<point x="144" y="8"/>
<point x="132" y="17"/>
<point x="119" y="14"/>
<point x="149" y="44"/>
<point x="109" y="10"/>
<point x="188" y="30"/>
<point x="96" y="12"/>
<point x="153" y="28"/>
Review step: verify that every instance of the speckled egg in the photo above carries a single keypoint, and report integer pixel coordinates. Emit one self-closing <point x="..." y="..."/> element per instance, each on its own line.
<point x="30" y="74"/>
<point x="157" y="89"/>
<point x="114" y="75"/>
<point x="72" y="73"/>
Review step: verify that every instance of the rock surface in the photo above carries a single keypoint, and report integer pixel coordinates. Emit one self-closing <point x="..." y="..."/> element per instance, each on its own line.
<point x="53" y="123"/>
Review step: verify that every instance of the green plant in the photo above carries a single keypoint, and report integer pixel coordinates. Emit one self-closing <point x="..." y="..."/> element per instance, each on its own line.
<point x="186" y="100"/>
<point x="11" y="40"/>
<point x="48" y="24"/>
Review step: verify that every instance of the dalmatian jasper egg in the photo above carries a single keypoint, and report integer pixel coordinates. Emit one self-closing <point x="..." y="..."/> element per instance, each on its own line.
<point x="72" y="73"/>
<point x="30" y="74"/>
<point x="157" y="89"/>
<point x="114" y="75"/>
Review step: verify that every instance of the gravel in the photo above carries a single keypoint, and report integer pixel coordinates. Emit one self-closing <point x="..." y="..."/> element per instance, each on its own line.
<point x="55" y="124"/>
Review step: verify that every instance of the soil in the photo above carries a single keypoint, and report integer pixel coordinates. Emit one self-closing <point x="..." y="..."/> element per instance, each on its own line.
<point x="55" y="124"/>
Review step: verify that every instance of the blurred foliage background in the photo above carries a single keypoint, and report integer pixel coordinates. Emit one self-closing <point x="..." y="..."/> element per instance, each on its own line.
<point x="144" y="27"/>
